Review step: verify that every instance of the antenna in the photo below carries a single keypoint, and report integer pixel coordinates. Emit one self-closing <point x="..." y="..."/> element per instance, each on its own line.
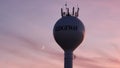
<point x="61" y="12"/>
<point x="77" y="13"/>
<point x="73" y="11"/>
<point x="77" y="10"/>
<point x="67" y="12"/>
<point x="67" y="9"/>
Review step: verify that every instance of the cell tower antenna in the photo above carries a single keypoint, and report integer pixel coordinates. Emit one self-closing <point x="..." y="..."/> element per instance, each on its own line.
<point x="77" y="10"/>
<point x="67" y="9"/>
<point x="73" y="11"/>
<point x="66" y="12"/>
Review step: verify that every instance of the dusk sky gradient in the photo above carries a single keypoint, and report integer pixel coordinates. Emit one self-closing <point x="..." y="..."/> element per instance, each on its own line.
<point x="26" y="34"/>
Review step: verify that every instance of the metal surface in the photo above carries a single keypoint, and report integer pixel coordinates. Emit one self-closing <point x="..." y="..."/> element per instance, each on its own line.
<point x="68" y="59"/>
<point x="69" y="32"/>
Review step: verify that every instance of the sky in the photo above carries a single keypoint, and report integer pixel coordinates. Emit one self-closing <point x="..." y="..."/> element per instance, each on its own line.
<point x="26" y="34"/>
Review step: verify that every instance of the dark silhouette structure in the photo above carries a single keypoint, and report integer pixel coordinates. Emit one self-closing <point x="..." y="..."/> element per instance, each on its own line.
<point x="69" y="33"/>
<point x="75" y="14"/>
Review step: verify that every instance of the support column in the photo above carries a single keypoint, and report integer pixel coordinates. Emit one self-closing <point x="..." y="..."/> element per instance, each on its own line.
<point x="68" y="58"/>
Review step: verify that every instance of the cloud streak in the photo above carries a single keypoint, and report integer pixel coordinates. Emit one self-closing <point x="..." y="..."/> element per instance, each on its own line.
<point x="26" y="39"/>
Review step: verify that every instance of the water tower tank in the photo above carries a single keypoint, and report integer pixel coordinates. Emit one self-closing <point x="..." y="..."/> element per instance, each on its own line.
<point x="69" y="32"/>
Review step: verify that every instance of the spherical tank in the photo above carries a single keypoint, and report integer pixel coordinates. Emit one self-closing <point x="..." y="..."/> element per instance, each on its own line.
<point x="69" y="32"/>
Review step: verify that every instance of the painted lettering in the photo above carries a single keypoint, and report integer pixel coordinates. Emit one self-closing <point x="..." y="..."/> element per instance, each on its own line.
<point x="66" y="28"/>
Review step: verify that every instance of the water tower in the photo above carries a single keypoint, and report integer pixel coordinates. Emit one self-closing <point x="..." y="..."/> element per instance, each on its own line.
<point x="69" y="33"/>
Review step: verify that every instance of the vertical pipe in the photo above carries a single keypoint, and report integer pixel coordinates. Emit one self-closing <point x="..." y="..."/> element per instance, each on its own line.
<point x="68" y="59"/>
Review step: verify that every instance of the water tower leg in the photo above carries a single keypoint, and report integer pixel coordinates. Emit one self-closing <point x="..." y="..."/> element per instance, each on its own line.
<point x="68" y="59"/>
